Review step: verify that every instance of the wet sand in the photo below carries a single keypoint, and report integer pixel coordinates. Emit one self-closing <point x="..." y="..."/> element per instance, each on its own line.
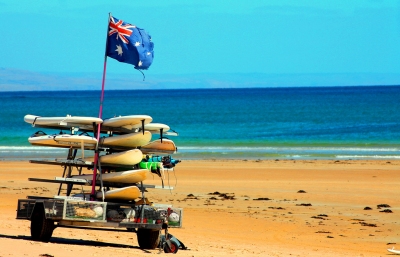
<point x="235" y="208"/>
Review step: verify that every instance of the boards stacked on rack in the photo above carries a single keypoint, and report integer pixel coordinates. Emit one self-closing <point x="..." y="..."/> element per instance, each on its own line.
<point x="127" y="154"/>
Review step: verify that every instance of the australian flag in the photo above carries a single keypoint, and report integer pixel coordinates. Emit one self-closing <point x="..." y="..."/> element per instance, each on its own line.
<point x="130" y="44"/>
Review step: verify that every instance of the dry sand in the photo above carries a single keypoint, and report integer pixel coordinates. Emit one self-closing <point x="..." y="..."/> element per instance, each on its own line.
<point x="267" y="216"/>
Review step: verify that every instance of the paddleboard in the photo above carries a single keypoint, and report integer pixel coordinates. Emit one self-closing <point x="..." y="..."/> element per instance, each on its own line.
<point x="129" y="176"/>
<point x="394" y="251"/>
<point x="124" y="193"/>
<point x="130" y="157"/>
<point x="127" y="140"/>
<point x="63" y="140"/>
<point x="166" y="146"/>
<point x="61" y="122"/>
<point x="127" y="122"/>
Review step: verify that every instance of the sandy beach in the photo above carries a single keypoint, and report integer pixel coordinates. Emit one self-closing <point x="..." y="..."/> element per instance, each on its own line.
<point x="235" y="208"/>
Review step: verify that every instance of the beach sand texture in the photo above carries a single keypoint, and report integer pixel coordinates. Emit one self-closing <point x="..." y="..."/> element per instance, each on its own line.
<point x="235" y="208"/>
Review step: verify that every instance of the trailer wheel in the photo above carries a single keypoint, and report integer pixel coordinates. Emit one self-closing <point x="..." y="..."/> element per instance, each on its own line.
<point x="41" y="228"/>
<point x="171" y="248"/>
<point x="148" y="238"/>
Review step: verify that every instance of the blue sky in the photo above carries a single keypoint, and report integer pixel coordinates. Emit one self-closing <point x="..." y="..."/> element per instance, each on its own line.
<point x="207" y="37"/>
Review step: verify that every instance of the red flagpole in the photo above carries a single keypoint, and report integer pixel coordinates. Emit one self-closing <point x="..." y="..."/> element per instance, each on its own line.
<point x="96" y="155"/>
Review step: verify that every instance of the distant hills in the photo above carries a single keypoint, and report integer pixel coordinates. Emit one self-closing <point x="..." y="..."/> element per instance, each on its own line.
<point x="22" y="80"/>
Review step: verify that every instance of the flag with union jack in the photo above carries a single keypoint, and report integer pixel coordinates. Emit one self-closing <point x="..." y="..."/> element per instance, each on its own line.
<point x="130" y="44"/>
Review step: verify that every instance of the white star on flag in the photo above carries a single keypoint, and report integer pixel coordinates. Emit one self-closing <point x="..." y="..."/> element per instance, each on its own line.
<point x="140" y="63"/>
<point x="119" y="50"/>
<point x="137" y="44"/>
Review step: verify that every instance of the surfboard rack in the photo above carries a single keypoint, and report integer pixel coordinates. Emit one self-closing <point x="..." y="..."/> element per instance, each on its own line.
<point x="71" y="163"/>
<point x="89" y="183"/>
<point x="77" y="164"/>
<point x="61" y="180"/>
<point x="120" y="204"/>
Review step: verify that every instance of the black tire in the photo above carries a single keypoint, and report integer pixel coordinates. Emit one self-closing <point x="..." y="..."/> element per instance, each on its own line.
<point x="148" y="238"/>
<point x="41" y="228"/>
<point x="173" y="248"/>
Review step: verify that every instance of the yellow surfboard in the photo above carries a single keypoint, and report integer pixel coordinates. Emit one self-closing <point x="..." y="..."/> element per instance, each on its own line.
<point x="164" y="146"/>
<point x="125" y="193"/>
<point x="129" y="176"/>
<point x="130" y="157"/>
<point x="131" y="140"/>
<point x="127" y="122"/>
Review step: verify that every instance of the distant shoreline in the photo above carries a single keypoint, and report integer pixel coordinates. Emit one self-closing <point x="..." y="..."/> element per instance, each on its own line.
<point x="25" y="80"/>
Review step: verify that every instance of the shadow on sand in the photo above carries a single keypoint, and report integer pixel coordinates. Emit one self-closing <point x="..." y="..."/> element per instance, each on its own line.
<point x="59" y="240"/>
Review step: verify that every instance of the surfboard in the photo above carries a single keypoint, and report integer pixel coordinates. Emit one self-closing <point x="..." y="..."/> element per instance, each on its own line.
<point x="61" y="122"/>
<point x="127" y="122"/>
<point x="124" y="193"/>
<point x="167" y="146"/>
<point x="127" y="140"/>
<point x="130" y="157"/>
<point x="129" y="176"/>
<point x="121" y="124"/>
<point x="394" y="251"/>
<point x="156" y="127"/>
<point x="63" y="140"/>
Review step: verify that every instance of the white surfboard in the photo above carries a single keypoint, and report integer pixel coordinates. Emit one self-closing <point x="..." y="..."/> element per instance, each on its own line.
<point x="130" y="157"/>
<point x="125" y="193"/>
<point x="167" y="146"/>
<point x="127" y="140"/>
<point x="156" y="127"/>
<point x="394" y="251"/>
<point x="129" y="176"/>
<point x="61" y="122"/>
<point x="127" y="122"/>
<point x="64" y="141"/>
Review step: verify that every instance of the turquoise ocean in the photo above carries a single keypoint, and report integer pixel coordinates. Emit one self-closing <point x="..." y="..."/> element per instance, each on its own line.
<point x="253" y="123"/>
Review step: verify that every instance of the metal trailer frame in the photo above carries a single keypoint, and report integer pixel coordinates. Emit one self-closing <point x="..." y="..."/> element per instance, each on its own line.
<point x="60" y="210"/>
<point x="47" y="214"/>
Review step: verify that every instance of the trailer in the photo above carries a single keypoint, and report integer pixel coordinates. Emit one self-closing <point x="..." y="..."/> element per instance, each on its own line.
<point x="47" y="214"/>
<point x="146" y="219"/>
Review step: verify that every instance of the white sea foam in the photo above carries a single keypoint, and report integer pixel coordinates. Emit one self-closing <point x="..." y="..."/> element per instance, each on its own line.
<point x="278" y="148"/>
<point x="234" y="152"/>
<point x="21" y="147"/>
<point x="276" y="152"/>
<point x="8" y="149"/>
<point x="368" y="157"/>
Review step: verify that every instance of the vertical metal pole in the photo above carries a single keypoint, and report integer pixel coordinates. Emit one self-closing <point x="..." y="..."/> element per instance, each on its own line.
<point x="70" y="157"/>
<point x="96" y="155"/>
